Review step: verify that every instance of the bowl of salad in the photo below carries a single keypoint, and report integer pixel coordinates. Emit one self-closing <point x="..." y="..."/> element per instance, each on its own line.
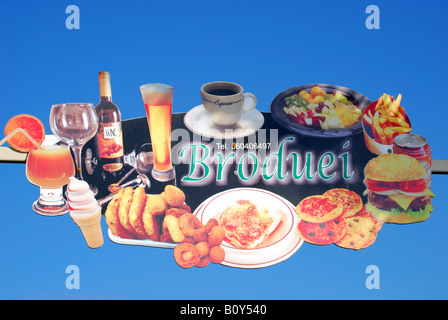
<point x="320" y="110"/>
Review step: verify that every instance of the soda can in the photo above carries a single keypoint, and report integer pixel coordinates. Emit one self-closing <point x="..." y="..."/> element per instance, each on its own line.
<point x="417" y="147"/>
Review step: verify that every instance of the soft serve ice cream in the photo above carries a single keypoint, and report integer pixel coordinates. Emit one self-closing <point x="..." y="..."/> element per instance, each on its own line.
<point x="85" y="211"/>
<point x="80" y="197"/>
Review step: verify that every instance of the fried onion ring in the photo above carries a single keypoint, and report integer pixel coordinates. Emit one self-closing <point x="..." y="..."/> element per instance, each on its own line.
<point x="113" y="220"/>
<point x="166" y="237"/>
<point x="123" y="210"/>
<point x="186" y="255"/>
<point x="172" y="223"/>
<point x="172" y="212"/>
<point x="190" y="225"/>
<point x="204" y="262"/>
<point x="189" y="240"/>
<point x="185" y="207"/>
<point x="200" y="236"/>
<point x="150" y="223"/>
<point x="203" y="248"/>
<point x="136" y="211"/>
<point x="177" y="212"/>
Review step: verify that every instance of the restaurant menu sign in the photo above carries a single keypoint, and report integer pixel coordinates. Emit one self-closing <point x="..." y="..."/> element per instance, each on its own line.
<point x="227" y="184"/>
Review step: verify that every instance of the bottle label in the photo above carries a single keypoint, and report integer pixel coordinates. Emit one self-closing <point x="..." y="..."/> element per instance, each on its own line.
<point x="110" y="140"/>
<point x="111" y="132"/>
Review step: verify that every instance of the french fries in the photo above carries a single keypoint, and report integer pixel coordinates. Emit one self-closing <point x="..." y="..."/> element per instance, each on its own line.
<point x="387" y="119"/>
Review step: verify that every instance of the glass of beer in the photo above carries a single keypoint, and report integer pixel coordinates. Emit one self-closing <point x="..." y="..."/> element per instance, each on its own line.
<point x="50" y="168"/>
<point x="158" y="101"/>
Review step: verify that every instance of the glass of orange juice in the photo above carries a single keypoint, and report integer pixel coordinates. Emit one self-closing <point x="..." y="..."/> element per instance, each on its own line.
<point x="50" y="167"/>
<point x="158" y="101"/>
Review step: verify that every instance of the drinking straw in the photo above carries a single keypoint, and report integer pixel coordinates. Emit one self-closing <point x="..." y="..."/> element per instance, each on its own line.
<point x="24" y="132"/>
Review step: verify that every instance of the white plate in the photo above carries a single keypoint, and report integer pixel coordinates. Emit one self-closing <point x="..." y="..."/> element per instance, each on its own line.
<point x="198" y="122"/>
<point x="140" y="242"/>
<point x="278" y="247"/>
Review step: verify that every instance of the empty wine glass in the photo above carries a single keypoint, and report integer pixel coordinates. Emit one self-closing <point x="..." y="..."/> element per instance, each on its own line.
<point x="74" y="124"/>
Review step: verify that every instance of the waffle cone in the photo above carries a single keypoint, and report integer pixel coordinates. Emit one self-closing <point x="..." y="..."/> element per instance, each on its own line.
<point x="90" y="226"/>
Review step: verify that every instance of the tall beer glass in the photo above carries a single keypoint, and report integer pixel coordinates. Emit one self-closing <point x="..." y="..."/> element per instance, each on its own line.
<point x="158" y="101"/>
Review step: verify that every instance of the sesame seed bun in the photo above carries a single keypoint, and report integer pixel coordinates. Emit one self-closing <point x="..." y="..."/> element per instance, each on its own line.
<point x="391" y="167"/>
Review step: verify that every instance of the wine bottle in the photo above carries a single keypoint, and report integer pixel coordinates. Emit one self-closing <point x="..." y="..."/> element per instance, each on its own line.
<point x="110" y="135"/>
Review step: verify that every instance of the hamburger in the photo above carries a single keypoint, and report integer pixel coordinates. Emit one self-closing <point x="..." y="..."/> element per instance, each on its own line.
<point x="397" y="190"/>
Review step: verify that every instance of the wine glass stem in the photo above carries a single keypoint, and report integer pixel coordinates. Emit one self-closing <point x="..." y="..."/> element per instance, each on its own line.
<point x="77" y="151"/>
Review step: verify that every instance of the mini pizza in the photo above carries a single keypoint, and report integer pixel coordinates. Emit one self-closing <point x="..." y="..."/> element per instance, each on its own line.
<point x="319" y="209"/>
<point x="351" y="201"/>
<point x="322" y="233"/>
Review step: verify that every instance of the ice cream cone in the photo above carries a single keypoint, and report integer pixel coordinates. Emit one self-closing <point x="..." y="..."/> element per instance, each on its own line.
<point x="85" y="211"/>
<point x="90" y="226"/>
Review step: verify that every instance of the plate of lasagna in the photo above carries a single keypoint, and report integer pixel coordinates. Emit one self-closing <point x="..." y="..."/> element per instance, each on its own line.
<point x="260" y="226"/>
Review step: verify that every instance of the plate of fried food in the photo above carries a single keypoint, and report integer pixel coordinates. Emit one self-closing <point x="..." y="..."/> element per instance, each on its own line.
<point x="136" y="218"/>
<point x="165" y="221"/>
<point x="260" y="227"/>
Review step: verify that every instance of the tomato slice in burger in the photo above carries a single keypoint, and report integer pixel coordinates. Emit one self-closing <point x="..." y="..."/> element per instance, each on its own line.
<point x="377" y="186"/>
<point x="415" y="186"/>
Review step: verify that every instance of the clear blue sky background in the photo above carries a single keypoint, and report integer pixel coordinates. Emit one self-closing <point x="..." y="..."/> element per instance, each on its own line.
<point x="266" y="46"/>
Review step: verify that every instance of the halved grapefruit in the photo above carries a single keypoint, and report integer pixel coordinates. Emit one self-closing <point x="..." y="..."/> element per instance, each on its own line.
<point x="32" y="125"/>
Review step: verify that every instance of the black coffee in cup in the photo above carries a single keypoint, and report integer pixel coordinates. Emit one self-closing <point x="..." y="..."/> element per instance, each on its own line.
<point x="225" y="102"/>
<point x="221" y="92"/>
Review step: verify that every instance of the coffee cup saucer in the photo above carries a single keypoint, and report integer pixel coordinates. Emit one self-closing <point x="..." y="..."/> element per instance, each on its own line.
<point x="197" y="121"/>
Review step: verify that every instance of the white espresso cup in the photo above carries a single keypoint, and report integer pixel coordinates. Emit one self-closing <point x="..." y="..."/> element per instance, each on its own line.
<point x="225" y="102"/>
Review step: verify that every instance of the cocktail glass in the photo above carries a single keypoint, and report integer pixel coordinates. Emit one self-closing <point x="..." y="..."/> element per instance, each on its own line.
<point x="74" y="124"/>
<point x="158" y="101"/>
<point x="50" y="167"/>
